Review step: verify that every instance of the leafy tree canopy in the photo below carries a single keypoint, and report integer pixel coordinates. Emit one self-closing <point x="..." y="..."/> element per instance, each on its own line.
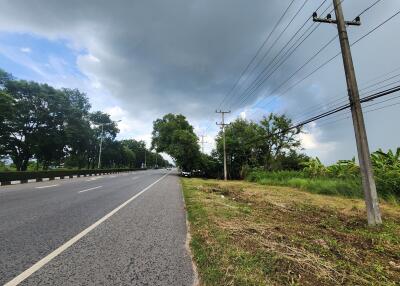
<point x="174" y="135"/>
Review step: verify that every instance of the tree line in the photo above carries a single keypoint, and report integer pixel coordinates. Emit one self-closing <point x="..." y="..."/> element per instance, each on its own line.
<point x="268" y="151"/>
<point x="268" y="144"/>
<point x="43" y="127"/>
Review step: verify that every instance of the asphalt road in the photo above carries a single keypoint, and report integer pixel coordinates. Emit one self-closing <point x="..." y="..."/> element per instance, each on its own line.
<point x="124" y="229"/>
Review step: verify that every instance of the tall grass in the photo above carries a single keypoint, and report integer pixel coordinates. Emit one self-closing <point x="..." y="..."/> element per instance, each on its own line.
<point x="327" y="186"/>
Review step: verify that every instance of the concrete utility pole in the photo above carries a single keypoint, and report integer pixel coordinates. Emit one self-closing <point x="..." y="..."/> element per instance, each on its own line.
<point x="223" y="124"/>
<point x="368" y="181"/>
<point x="202" y="142"/>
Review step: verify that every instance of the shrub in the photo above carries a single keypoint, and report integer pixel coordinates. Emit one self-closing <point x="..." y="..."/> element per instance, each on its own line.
<point x="342" y="178"/>
<point x="28" y="175"/>
<point x="388" y="183"/>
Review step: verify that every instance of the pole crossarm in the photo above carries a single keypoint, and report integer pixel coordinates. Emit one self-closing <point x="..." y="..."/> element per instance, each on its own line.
<point x="329" y="20"/>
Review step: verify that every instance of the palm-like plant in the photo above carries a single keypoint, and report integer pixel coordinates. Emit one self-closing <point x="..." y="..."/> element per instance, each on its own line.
<point x="344" y="169"/>
<point x="386" y="161"/>
<point x="314" y="168"/>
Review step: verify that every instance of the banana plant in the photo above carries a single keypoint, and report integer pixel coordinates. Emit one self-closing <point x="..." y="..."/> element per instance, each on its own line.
<point x="386" y="161"/>
<point x="314" y="168"/>
<point x="344" y="169"/>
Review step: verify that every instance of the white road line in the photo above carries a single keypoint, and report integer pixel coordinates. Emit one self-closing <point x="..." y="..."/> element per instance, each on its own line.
<point x="35" y="267"/>
<point x="48" y="186"/>
<point x="94" y="179"/>
<point x="89" y="189"/>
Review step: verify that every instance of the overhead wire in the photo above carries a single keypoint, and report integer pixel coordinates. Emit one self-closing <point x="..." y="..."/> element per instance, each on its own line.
<point x="355" y="42"/>
<point x="342" y="97"/>
<point x="276" y="40"/>
<point x="331" y="59"/>
<point x="256" y="55"/>
<point x="335" y="111"/>
<point x="369" y="7"/>
<point x="266" y="72"/>
<point x="365" y="112"/>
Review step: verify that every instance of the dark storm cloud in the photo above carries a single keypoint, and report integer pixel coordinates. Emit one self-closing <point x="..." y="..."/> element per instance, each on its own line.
<point x="183" y="56"/>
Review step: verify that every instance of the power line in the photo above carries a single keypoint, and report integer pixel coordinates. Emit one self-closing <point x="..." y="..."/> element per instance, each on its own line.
<point x="369" y="105"/>
<point x="266" y="72"/>
<point x="257" y="53"/>
<point x="365" y="112"/>
<point x="382" y="81"/>
<point x="344" y="98"/>
<point x="332" y="58"/>
<point x="258" y="81"/>
<point x="346" y="106"/>
<point x="333" y="111"/>
<point x="306" y="63"/>
<point x="276" y="40"/>
<point x="369" y="7"/>
<point x="340" y="99"/>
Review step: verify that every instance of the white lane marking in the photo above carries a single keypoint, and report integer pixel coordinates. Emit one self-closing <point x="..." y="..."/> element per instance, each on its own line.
<point x="94" y="179"/>
<point x="89" y="189"/>
<point x="35" y="267"/>
<point x="48" y="186"/>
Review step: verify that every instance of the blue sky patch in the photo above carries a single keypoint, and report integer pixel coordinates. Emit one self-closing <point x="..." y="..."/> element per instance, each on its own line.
<point x="28" y="56"/>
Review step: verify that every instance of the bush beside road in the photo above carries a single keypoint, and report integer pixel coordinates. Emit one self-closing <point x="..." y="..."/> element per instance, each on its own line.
<point x="7" y="177"/>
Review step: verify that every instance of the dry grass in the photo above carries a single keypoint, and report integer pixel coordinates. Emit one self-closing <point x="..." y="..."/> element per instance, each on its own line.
<point x="247" y="234"/>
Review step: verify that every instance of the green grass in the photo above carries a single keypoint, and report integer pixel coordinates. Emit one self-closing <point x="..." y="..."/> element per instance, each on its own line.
<point x="387" y="186"/>
<point x="319" y="186"/>
<point x="250" y="234"/>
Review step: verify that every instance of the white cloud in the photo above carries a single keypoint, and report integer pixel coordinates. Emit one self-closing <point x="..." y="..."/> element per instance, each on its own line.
<point x="25" y="50"/>
<point x="308" y="141"/>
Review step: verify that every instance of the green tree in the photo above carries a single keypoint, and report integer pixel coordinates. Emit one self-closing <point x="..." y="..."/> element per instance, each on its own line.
<point x="102" y="126"/>
<point x="269" y="144"/>
<point x="139" y="149"/>
<point x="278" y="140"/>
<point x="30" y="118"/>
<point x="7" y="112"/>
<point x="79" y="134"/>
<point x="174" y="135"/>
<point x="242" y="143"/>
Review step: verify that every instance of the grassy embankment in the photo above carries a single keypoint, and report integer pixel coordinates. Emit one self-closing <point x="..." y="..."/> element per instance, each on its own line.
<point x="250" y="234"/>
<point x="387" y="186"/>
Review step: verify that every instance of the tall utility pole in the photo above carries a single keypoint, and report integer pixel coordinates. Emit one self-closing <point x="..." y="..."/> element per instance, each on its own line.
<point x="368" y="181"/>
<point x="223" y="124"/>
<point x="202" y="142"/>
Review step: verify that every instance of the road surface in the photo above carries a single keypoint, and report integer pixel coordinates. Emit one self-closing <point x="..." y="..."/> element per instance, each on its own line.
<point x="121" y="229"/>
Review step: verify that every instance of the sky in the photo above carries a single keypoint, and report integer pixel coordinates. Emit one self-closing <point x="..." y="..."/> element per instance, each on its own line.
<point x="138" y="60"/>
